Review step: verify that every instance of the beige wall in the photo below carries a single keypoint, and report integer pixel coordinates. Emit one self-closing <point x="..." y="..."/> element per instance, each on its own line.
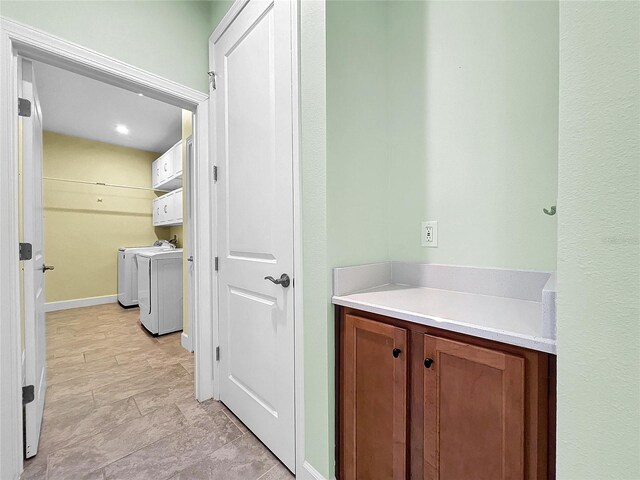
<point x="85" y="224"/>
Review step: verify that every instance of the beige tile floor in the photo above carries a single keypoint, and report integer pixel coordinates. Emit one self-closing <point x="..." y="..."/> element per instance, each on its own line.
<point x="120" y="405"/>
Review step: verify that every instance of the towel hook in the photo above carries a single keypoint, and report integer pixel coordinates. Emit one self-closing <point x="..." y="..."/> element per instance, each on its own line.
<point x="551" y="211"/>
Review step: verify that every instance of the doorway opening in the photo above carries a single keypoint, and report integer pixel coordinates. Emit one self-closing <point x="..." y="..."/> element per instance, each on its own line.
<point x="98" y="316"/>
<point x="107" y="345"/>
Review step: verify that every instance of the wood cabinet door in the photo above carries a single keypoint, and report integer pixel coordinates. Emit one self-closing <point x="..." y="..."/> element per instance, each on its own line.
<point x="474" y="412"/>
<point x="374" y="400"/>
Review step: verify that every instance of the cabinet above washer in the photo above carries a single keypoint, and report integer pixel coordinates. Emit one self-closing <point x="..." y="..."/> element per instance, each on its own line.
<point x="166" y="171"/>
<point x="167" y="209"/>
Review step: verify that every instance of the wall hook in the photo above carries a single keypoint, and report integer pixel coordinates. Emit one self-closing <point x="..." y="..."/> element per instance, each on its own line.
<point x="551" y="211"/>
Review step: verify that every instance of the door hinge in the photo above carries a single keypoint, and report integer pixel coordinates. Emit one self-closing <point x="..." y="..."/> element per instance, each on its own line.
<point x="212" y="79"/>
<point x="27" y="394"/>
<point x="217" y="354"/>
<point x="215" y="264"/>
<point x="24" y="107"/>
<point x="215" y="173"/>
<point x="25" y="250"/>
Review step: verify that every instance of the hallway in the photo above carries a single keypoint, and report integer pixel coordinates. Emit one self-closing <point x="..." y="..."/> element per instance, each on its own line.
<point x="120" y="405"/>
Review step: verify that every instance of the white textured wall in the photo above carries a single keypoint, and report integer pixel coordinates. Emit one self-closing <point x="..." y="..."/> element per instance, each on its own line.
<point x="598" y="242"/>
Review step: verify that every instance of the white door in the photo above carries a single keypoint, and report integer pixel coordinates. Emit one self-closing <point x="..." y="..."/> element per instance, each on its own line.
<point x="32" y="221"/>
<point x="254" y="154"/>
<point x="188" y="225"/>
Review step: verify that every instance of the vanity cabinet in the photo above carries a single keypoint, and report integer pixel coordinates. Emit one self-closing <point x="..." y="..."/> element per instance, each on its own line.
<point x="474" y="415"/>
<point x="422" y="403"/>
<point x="375" y="380"/>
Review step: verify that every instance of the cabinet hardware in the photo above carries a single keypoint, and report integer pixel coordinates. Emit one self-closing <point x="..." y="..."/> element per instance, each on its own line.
<point x="396" y="352"/>
<point x="428" y="362"/>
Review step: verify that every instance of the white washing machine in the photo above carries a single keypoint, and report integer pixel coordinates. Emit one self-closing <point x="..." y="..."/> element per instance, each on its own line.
<point x="128" y="271"/>
<point x="160" y="290"/>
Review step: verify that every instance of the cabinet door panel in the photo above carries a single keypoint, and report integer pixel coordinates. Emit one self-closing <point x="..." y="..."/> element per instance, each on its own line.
<point x="177" y="206"/>
<point x="166" y="166"/>
<point x="155" y="173"/>
<point x="156" y="211"/>
<point x="374" y="408"/>
<point x="177" y="159"/>
<point x="474" y="412"/>
<point x="168" y="209"/>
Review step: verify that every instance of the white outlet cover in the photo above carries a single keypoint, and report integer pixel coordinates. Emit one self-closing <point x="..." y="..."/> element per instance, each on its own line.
<point x="429" y="234"/>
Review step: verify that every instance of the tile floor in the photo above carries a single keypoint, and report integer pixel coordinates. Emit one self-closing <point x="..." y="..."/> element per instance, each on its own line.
<point x="120" y="405"/>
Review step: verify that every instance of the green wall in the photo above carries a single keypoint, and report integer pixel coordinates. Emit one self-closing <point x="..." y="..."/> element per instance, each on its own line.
<point x="317" y="357"/>
<point x="218" y="10"/>
<point x="473" y="115"/>
<point x="168" y="38"/>
<point x="599" y="242"/>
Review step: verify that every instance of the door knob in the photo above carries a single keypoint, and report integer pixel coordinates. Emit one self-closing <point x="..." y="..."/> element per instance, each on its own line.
<point x="284" y="280"/>
<point x="47" y="267"/>
<point x="428" y="362"/>
<point x="190" y="259"/>
<point x="396" y="352"/>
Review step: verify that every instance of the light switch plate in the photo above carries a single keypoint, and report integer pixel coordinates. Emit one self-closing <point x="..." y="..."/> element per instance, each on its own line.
<point x="429" y="234"/>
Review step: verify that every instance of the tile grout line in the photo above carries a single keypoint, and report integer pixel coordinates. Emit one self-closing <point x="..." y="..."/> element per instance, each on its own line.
<point x="265" y="473"/>
<point x="104" y="467"/>
<point x="132" y="397"/>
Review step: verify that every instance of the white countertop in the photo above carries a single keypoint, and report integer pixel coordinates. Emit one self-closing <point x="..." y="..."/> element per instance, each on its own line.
<point x="503" y="319"/>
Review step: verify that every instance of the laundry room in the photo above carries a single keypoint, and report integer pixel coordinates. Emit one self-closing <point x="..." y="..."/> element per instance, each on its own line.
<point x="112" y="180"/>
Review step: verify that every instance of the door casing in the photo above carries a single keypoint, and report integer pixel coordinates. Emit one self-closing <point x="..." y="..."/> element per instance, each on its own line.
<point x="18" y="40"/>
<point x="303" y="469"/>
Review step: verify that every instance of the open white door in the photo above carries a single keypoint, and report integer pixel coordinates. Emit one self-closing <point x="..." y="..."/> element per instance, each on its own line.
<point x="189" y="224"/>
<point x="34" y="269"/>
<point x="254" y="153"/>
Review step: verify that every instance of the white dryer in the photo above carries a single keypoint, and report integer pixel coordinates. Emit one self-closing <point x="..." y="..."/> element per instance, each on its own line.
<point x="160" y="290"/>
<point x="128" y="271"/>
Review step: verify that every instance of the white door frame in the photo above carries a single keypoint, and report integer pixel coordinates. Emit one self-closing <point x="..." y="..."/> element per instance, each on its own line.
<point x="189" y="200"/>
<point x="20" y="40"/>
<point x="302" y="470"/>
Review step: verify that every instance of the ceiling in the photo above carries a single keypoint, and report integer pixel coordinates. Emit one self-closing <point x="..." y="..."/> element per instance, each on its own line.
<point x="86" y="108"/>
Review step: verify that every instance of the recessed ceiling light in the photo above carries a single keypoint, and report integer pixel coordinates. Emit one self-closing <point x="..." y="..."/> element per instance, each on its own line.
<point x="123" y="129"/>
<point x="141" y="94"/>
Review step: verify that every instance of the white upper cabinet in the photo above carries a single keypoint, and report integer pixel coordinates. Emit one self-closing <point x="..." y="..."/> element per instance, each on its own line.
<point x="167" y="209"/>
<point x="166" y="171"/>
<point x="166" y="174"/>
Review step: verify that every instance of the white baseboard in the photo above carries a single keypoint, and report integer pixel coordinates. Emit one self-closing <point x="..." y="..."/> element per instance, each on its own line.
<point x="79" y="302"/>
<point x="310" y="473"/>
<point x="185" y="341"/>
